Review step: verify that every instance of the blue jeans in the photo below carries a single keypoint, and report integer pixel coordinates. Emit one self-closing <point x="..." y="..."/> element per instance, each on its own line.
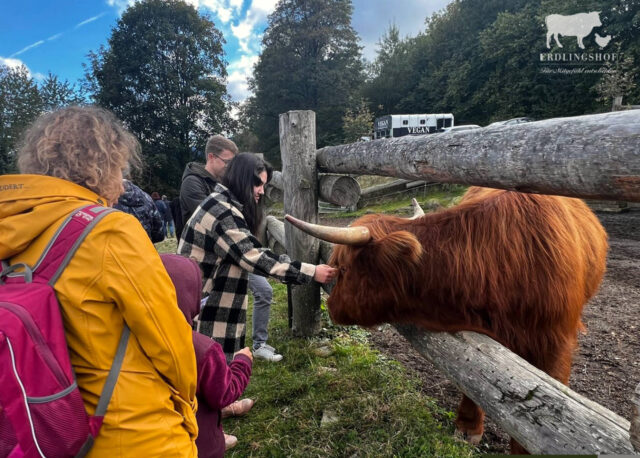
<point x="170" y="228"/>
<point x="262" y="295"/>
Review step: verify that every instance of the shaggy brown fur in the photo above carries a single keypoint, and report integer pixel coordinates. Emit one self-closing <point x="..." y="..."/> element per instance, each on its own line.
<point x="517" y="267"/>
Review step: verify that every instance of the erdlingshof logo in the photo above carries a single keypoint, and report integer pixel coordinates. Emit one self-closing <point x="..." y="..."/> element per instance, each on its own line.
<point x="579" y="26"/>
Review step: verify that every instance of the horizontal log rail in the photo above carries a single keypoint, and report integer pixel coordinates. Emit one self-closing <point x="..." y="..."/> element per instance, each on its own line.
<point x="341" y="190"/>
<point x="542" y="414"/>
<point x="594" y="157"/>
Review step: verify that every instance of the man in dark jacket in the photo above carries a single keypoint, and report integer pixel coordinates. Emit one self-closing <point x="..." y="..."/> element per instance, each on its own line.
<point x="199" y="180"/>
<point x="139" y="204"/>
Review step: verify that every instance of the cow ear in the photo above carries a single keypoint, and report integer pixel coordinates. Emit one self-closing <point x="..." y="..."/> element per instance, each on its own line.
<point x="397" y="247"/>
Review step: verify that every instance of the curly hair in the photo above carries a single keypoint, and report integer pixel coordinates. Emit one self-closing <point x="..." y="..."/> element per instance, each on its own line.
<point x="87" y="145"/>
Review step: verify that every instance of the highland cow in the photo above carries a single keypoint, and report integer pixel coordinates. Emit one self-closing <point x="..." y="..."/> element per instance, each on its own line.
<point x="516" y="267"/>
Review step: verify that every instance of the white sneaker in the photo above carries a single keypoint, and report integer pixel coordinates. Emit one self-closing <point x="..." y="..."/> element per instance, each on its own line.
<point x="267" y="352"/>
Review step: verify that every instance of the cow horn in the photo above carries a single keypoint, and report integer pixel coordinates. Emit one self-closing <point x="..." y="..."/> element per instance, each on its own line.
<point x="358" y="235"/>
<point x="417" y="209"/>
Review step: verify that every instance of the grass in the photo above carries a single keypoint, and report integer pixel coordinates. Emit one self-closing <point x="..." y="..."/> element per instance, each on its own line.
<point x="378" y="410"/>
<point x="167" y="246"/>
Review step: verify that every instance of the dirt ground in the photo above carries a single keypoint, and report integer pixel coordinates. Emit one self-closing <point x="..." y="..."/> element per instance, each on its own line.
<point x="606" y="366"/>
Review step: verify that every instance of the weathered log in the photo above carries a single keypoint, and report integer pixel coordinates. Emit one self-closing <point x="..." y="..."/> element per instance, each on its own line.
<point x="383" y="189"/>
<point x="274" y="190"/>
<point x="298" y="151"/>
<point x="325" y="251"/>
<point x="594" y="156"/>
<point x="542" y="414"/>
<point x="275" y="235"/>
<point x="340" y="190"/>
<point x="634" y="430"/>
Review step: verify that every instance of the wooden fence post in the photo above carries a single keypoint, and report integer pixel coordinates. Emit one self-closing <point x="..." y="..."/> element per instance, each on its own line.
<point x="634" y="431"/>
<point x="298" y="151"/>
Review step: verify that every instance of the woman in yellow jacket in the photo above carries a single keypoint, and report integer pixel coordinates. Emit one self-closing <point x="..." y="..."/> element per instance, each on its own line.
<point x="75" y="157"/>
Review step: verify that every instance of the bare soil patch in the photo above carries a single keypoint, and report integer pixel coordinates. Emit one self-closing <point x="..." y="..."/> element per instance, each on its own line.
<point x="606" y="366"/>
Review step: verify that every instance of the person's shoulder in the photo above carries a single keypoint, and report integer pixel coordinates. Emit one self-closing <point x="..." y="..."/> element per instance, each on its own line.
<point x="192" y="184"/>
<point x="120" y="224"/>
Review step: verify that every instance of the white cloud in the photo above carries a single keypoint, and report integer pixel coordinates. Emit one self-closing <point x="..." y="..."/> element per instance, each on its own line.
<point x="246" y="30"/>
<point x="239" y="71"/>
<point x="26" y="48"/>
<point x="54" y="37"/>
<point x="221" y="8"/>
<point x="16" y="63"/>
<point x="236" y="4"/>
<point x="120" y="5"/>
<point x="11" y="63"/>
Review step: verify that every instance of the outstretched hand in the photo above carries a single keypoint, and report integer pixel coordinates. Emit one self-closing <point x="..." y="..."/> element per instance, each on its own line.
<point x="246" y="352"/>
<point x="324" y="273"/>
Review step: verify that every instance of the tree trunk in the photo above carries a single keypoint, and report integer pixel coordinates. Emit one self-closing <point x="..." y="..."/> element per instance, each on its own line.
<point x="595" y="157"/>
<point x="298" y="151"/>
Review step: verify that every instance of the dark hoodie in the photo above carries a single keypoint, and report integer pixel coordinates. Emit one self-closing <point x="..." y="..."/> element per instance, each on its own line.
<point x="197" y="184"/>
<point x="219" y="384"/>
<point x="138" y="203"/>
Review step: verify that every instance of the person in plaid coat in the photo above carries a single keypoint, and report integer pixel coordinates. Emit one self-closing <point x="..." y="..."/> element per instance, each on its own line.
<point x="219" y="237"/>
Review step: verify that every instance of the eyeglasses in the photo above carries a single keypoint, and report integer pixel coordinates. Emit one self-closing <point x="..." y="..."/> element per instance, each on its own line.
<point x="226" y="161"/>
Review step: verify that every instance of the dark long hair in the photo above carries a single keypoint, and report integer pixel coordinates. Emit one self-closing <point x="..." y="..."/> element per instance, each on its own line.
<point x="242" y="174"/>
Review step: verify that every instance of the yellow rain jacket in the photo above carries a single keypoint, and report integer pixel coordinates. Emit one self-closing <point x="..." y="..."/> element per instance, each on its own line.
<point x="115" y="276"/>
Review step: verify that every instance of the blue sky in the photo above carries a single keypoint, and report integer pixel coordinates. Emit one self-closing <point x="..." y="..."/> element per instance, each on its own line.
<point x="56" y="36"/>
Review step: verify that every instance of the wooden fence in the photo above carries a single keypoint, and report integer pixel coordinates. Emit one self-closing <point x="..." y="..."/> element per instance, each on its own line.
<point x="596" y="157"/>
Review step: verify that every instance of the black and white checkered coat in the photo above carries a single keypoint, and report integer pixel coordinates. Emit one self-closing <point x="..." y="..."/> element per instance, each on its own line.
<point x="217" y="237"/>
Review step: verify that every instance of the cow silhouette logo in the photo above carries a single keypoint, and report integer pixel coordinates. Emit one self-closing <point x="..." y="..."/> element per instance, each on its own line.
<point x="576" y="25"/>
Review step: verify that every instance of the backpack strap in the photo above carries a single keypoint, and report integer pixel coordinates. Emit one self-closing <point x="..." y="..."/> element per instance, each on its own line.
<point x="65" y="242"/>
<point x="61" y="248"/>
<point x="95" y="422"/>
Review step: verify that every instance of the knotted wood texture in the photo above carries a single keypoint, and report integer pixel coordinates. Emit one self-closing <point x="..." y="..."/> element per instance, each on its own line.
<point x="594" y="157"/>
<point x="298" y="151"/>
<point x="542" y="414"/>
<point x="340" y="190"/>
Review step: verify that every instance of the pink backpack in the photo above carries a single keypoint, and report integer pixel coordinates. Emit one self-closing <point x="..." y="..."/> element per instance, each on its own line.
<point x="41" y="409"/>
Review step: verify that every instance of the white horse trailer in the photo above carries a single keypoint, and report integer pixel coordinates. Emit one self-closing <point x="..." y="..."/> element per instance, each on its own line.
<point x="415" y="124"/>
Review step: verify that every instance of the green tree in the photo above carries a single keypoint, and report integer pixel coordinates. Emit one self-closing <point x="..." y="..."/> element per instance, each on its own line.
<point x="357" y="122"/>
<point x="20" y="104"/>
<point x="391" y="73"/>
<point x="163" y="73"/>
<point x="56" y="94"/>
<point x="310" y="61"/>
<point x="619" y="81"/>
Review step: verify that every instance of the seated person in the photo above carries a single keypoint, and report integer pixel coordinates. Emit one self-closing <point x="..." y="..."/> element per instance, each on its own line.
<point x="219" y="384"/>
